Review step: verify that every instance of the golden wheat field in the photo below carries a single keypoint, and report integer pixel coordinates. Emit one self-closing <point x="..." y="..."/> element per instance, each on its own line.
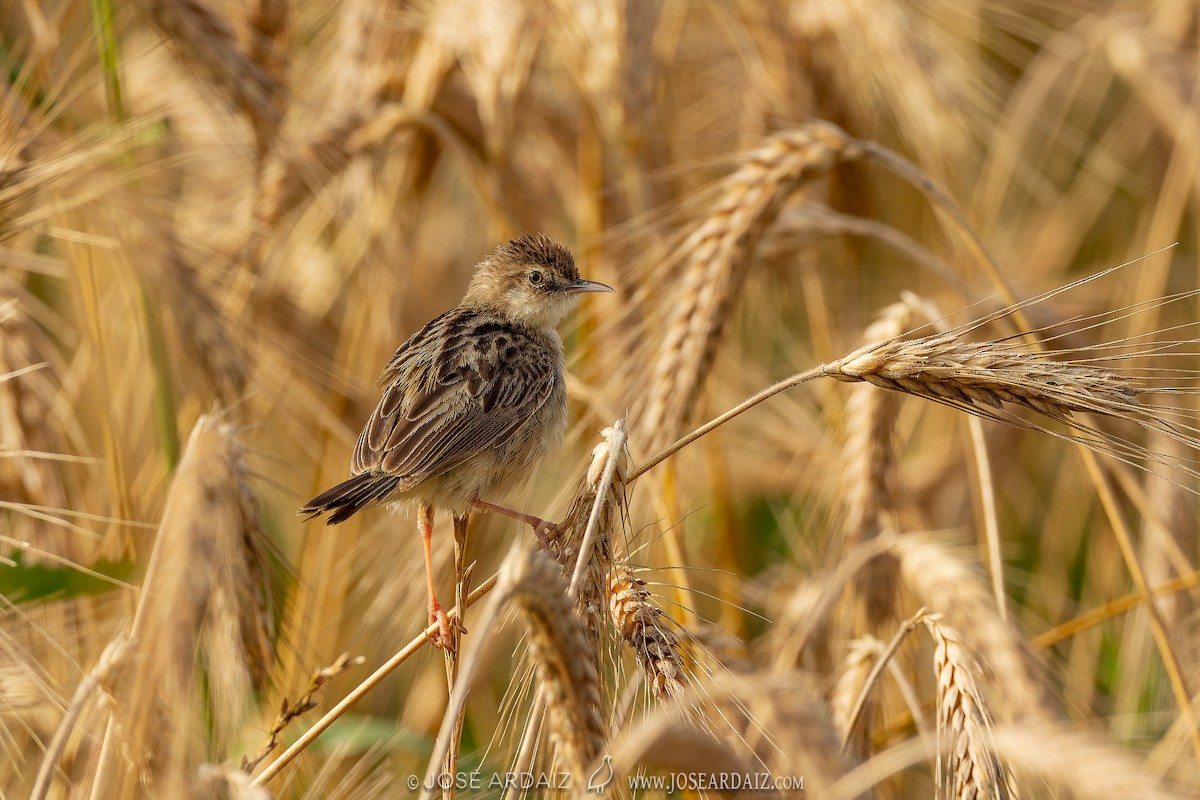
<point x="882" y="475"/>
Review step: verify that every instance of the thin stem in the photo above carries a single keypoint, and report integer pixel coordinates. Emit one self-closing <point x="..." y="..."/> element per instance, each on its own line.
<point x="83" y="692"/>
<point x="1111" y="609"/>
<point x="991" y="523"/>
<point x="716" y="422"/>
<point x="103" y="22"/>
<point x="1158" y="626"/>
<point x="909" y="625"/>
<point x="462" y="578"/>
<point x="457" y="703"/>
<point x="418" y="641"/>
<point x="616" y="445"/>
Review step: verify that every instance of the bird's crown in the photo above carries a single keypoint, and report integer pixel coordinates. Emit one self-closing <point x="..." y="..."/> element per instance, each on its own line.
<point x="531" y="280"/>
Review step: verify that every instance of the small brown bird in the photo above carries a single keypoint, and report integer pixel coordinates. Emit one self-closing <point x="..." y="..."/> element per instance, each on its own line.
<point x="472" y="401"/>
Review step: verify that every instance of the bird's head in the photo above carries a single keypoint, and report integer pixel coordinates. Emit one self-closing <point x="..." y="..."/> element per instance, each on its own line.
<point x="531" y="280"/>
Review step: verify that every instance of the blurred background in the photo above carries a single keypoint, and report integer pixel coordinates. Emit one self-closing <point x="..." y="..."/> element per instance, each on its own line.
<point x="241" y="209"/>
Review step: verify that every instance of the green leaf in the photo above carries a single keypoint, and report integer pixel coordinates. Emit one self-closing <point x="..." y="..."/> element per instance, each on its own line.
<point x="359" y="732"/>
<point x="28" y="583"/>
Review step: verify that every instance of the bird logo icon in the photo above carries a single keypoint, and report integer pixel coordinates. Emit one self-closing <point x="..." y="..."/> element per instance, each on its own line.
<point x="599" y="780"/>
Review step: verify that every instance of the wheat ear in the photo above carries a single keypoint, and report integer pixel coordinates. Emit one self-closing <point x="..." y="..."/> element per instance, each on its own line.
<point x="718" y="254"/>
<point x="205" y="40"/>
<point x="640" y="623"/>
<point x="583" y="541"/>
<point x="856" y="682"/>
<point x="943" y="368"/>
<point x="851" y="684"/>
<point x="533" y="582"/>
<point x="972" y="770"/>
<point x="197" y="569"/>
<point x="1087" y="767"/>
<point x="870" y="471"/>
<point x="318" y="160"/>
<point x="951" y="587"/>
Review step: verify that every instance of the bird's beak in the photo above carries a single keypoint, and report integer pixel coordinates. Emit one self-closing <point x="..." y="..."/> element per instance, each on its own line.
<point x="587" y="286"/>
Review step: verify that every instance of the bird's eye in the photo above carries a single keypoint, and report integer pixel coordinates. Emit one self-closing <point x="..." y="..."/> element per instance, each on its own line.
<point x="535" y="277"/>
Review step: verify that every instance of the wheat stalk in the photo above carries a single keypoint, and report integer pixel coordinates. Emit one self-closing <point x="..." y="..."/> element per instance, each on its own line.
<point x="423" y="638"/>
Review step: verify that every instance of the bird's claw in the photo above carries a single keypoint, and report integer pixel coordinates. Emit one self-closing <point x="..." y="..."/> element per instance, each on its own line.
<point x="544" y="533"/>
<point x="443" y="638"/>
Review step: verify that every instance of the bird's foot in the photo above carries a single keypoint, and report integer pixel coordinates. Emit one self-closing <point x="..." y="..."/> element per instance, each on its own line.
<point x="444" y="637"/>
<point x="545" y="531"/>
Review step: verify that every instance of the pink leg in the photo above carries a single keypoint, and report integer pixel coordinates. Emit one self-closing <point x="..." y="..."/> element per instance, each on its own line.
<point x="436" y="614"/>
<point x="540" y="526"/>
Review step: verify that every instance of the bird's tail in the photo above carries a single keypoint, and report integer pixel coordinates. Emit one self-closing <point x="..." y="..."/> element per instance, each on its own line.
<point x="350" y="496"/>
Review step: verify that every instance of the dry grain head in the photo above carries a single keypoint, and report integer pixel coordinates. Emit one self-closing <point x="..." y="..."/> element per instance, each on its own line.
<point x="561" y="655"/>
<point x="645" y="629"/>
<point x="569" y="536"/>
<point x="972" y="770"/>
<point x="988" y="374"/>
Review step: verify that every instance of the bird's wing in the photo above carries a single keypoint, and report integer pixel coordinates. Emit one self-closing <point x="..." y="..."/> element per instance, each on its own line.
<point x="459" y="386"/>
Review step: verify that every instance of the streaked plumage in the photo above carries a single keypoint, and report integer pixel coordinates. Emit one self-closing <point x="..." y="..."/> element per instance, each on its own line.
<point x="475" y="399"/>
